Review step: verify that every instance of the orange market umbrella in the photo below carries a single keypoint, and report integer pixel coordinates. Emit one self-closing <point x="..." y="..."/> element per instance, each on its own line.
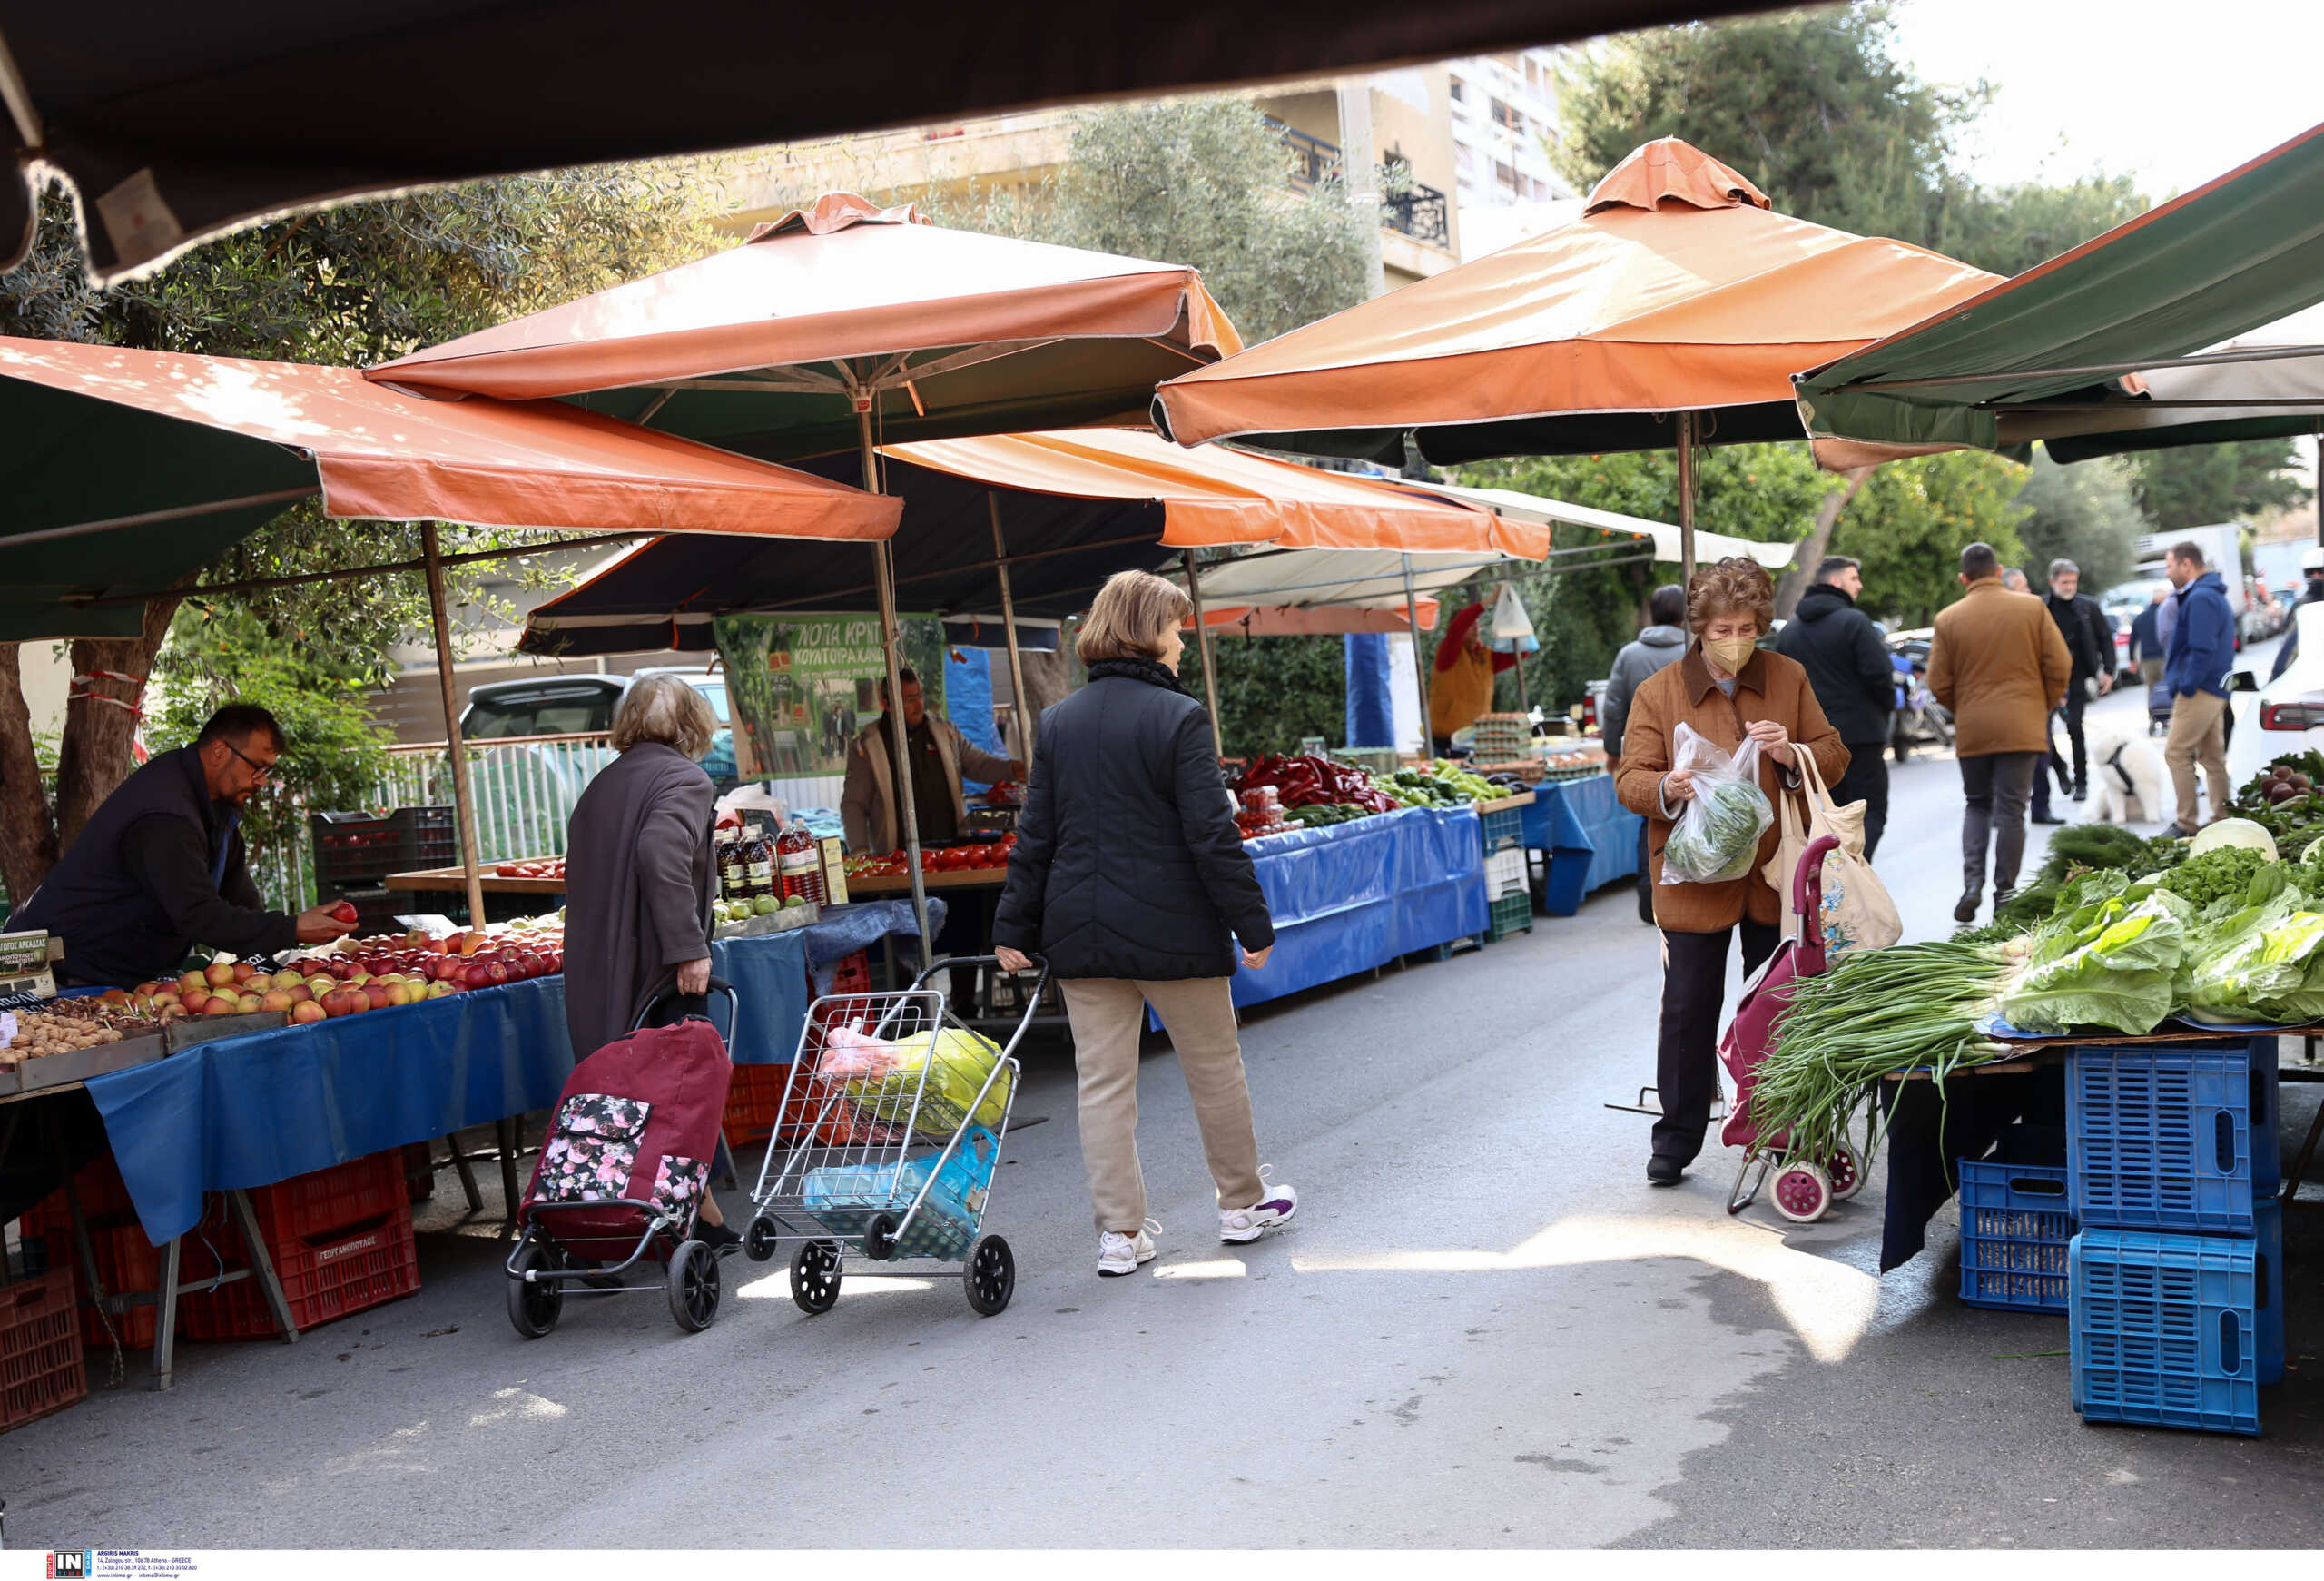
<point x="127" y="470"/>
<point x="845" y="324"/>
<point x="1673" y="312"/>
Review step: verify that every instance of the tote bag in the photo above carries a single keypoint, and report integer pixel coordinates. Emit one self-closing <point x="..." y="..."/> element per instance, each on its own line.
<point x="1854" y="907"/>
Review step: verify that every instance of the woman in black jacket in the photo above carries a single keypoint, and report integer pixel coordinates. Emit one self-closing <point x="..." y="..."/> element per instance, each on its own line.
<point x="1130" y="876"/>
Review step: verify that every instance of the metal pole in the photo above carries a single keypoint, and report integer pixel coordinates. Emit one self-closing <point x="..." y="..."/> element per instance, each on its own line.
<point x="1686" y="498"/>
<point x="1016" y="659"/>
<point x="463" y="801"/>
<point x="1420" y="668"/>
<point x="899" y="735"/>
<point x="1209" y="661"/>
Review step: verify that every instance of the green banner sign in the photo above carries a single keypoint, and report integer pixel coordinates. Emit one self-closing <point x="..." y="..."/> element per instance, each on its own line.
<point x="801" y="685"/>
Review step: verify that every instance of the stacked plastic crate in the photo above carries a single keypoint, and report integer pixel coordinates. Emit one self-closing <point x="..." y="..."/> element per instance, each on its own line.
<point x="2175" y="1279"/>
<point x="1509" y="891"/>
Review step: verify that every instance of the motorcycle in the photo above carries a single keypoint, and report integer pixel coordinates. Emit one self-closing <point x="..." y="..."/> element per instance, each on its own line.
<point x="1919" y="716"/>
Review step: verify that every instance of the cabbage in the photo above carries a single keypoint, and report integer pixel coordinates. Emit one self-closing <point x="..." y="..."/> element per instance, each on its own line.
<point x="2120" y="976"/>
<point x="2234" y="832"/>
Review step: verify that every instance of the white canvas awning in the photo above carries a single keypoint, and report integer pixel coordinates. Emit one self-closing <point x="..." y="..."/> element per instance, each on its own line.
<point x="1708" y="546"/>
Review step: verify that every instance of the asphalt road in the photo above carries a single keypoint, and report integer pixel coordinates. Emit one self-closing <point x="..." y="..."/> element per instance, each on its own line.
<point x="1483" y="1330"/>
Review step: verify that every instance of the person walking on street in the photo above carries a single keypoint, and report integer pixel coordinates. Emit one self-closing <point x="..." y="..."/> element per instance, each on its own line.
<point x="1726" y="688"/>
<point x="2014" y="580"/>
<point x="2146" y="636"/>
<point x="1659" y="643"/>
<point x="2091" y="642"/>
<point x="1854" y="680"/>
<point x="1130" y="876"/>
<point x="2203" y="649"/>
<point x="1998" y="663"/>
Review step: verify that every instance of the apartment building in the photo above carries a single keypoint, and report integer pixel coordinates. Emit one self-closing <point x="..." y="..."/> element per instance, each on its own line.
<point x="1504" y="119"/>
<point x="1413" y="149"/>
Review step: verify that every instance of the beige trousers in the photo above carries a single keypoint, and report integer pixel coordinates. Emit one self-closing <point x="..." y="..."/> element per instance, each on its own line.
<point x="1108" y="1013"/>
<point x="2197" y="732"/>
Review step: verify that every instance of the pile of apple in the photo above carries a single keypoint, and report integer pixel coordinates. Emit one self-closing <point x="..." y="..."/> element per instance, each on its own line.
<point x="372" y="974"/>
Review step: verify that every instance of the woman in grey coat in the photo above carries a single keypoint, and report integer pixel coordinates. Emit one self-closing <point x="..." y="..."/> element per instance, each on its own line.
<point x="638" y="875"/>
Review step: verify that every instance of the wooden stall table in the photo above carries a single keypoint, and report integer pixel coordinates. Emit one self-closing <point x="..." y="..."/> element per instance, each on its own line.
<point x="445" y="890"/>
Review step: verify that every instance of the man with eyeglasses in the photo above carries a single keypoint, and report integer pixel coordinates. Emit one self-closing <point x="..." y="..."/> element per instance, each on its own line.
<point x="160" y="865"/>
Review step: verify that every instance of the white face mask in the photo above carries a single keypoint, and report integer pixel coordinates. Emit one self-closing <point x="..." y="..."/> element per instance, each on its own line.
<point x="1731" y="652"/>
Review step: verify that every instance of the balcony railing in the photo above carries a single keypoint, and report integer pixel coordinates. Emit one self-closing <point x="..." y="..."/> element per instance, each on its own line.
<point x="1407" y="208"/>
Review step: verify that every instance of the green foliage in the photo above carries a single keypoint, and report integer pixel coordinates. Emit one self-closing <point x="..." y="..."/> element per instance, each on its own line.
<point x="364" y="283"/>
<point x="1909" y="523"/>
<point x="1817" y="110"/>
<point x="1273" y="690"/>
<point x="2200" y="485"/>
<point x="1201" y="181"/>
<point x="2085" y="513"/>
<point x="332" y="757"/>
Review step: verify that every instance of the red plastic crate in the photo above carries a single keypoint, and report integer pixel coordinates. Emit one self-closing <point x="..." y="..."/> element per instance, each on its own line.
<point x="354" y="1193"/>
<point x="852" y="974"/>
<point x="325" y="1277"/>
<point x="126" y="1260"/>
<point x="40" y="1353"/>
<point x="754" y="1104"/>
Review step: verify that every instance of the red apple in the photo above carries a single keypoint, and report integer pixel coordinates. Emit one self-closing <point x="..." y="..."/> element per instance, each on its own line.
<point x="275" y="999"/>
<point x="307" y="1011"/>
<point x="299" y="993"/>
<point x="218" y="975"/>
<point x="222" y="1006"/>
<point x="345" y="911"/>
<point x="244" y="971"/>
<point x="478" y="976"/>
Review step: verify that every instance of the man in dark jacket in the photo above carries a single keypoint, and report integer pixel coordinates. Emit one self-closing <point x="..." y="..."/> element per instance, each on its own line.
<point x="2090" y="641"/>
<point x="160" y="866"/>
<point x="1855" y="682"/>
<point x="1658" y="644"/>
<point x="2202" y="650"/>
<point x="2146" y="636"/>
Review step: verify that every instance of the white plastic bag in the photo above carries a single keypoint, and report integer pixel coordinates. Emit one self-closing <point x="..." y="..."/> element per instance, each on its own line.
<point x="1716" y="838"/>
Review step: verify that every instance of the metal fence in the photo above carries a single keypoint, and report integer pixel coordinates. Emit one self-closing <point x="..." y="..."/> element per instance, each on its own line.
<point x="524" y="791"/>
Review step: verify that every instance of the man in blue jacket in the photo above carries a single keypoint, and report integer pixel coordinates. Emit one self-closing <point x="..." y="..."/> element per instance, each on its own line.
<point x="2195" y="673"/>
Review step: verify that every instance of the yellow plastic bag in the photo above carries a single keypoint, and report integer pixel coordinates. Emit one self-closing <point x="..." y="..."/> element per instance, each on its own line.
<point x="956" y="1061"/>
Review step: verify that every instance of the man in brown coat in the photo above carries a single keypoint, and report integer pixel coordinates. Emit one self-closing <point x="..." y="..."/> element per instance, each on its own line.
<point x="1999" y="665"/>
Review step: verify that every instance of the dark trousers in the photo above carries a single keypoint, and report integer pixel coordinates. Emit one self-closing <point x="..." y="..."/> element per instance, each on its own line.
<point x="2076" y="701"/>
<point x="1996" y="785"/>
<point x="1866" y="781"/>
<point x="1686" y="1056"/>
<point x="1645" y="878"/>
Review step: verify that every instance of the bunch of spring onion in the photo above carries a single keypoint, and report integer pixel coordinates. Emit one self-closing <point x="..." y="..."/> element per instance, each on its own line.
<point x="1875" y="1013"/>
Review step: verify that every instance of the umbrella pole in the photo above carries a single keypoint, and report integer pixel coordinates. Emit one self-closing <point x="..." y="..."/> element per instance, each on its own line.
<point x="463" y="801"/>
<point x="1686" y="420"/>
<point x="1420" y="668"/>
<point x="899" y="734"/>
<point x="1209" y="664"/>
<point x="1016" y="660"/>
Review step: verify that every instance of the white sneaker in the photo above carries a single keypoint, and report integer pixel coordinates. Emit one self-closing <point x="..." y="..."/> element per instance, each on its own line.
<point x="1236" y="1225"/>
<point x="1118" y="1254"/>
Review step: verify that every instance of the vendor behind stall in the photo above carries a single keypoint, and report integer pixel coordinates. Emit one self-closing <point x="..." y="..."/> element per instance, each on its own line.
<point x="161" y="864"/>
<point x="939" y="755"/>
<point x="1461" y="688"/>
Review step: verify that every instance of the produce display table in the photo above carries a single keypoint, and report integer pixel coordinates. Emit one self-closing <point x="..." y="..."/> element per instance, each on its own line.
<point x="1350" y="897"/>
<point x="1588" y="839"/>
<point x="455" y="881"/>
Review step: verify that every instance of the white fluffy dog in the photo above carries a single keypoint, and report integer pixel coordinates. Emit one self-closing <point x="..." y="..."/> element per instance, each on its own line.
<point x="2128" y="783"/>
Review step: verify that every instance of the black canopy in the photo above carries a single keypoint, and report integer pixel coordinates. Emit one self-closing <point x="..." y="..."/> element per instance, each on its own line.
<point x="177" y="119"/>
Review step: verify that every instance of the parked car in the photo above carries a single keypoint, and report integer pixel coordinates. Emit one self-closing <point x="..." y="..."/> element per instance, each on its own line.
<point x="2285" y="715"/>
<point x="583" y="705"/>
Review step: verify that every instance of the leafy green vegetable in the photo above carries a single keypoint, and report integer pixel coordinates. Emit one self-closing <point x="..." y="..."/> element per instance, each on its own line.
<point x="1717" y="836"/>
<point x="2116" y="970"/>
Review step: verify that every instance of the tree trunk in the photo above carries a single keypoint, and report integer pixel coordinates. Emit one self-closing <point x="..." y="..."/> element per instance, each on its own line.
<point x="1817" y="542"/>
<point x="95" y="756"/>
<point x="28" y="828"/>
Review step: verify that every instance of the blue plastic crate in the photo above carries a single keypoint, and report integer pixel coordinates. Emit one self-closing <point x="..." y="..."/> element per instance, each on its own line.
<point x="2270" y="1252"/>
<point x="2165" y="1330"/>
<point x="1503" y="830"/>
<point x="2171" y="1138"/>
<point x="2016" y="1226"/>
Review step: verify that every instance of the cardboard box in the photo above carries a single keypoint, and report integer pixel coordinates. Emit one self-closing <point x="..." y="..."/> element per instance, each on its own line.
<point x="834" y="870"/>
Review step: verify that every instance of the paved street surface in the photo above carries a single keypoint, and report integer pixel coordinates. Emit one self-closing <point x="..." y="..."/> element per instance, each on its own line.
<point x="1483" y="1330"/>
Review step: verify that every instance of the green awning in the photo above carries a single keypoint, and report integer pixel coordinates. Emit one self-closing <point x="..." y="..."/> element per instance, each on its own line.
<point x="2044" y="353"/>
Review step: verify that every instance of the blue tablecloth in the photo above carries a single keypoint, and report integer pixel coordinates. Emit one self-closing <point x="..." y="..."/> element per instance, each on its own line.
<point x="1589" y="838"/>
<point x="1353" y="896"/>
<point x="250" y="1111"/>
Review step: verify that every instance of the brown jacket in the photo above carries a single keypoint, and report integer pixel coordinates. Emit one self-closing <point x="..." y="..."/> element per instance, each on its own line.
<point x="1771" y="687"/>
<point x="2001" y="656"/>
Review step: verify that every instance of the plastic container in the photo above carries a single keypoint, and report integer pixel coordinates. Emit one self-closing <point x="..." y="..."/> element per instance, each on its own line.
<point x="799" y="866"/>
<point x="349" y="1193"/>
<point x="2174" y="1139"/>
<point x="2015" y="1229"/>
<point x="324" y="1277"/>
<point x="754" y="1104"/>
<point x="126" y="1259"/>
<point x="2165" y="1330"/>
<point x="1503" y="830"/>
<point x="1511" y="914"/>
<point x="1505" y="873"/>
<point x="40" y="1354"/>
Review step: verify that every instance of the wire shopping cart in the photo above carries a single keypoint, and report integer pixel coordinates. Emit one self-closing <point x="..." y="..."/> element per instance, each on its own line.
<point x="890" y="1128"/>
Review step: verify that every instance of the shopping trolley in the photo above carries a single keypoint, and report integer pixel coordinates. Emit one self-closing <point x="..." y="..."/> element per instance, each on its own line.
<point x="890" y="1128"/>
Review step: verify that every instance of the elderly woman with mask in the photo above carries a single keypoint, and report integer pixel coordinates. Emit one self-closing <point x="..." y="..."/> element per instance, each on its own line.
<point x="1728" y="690"/>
